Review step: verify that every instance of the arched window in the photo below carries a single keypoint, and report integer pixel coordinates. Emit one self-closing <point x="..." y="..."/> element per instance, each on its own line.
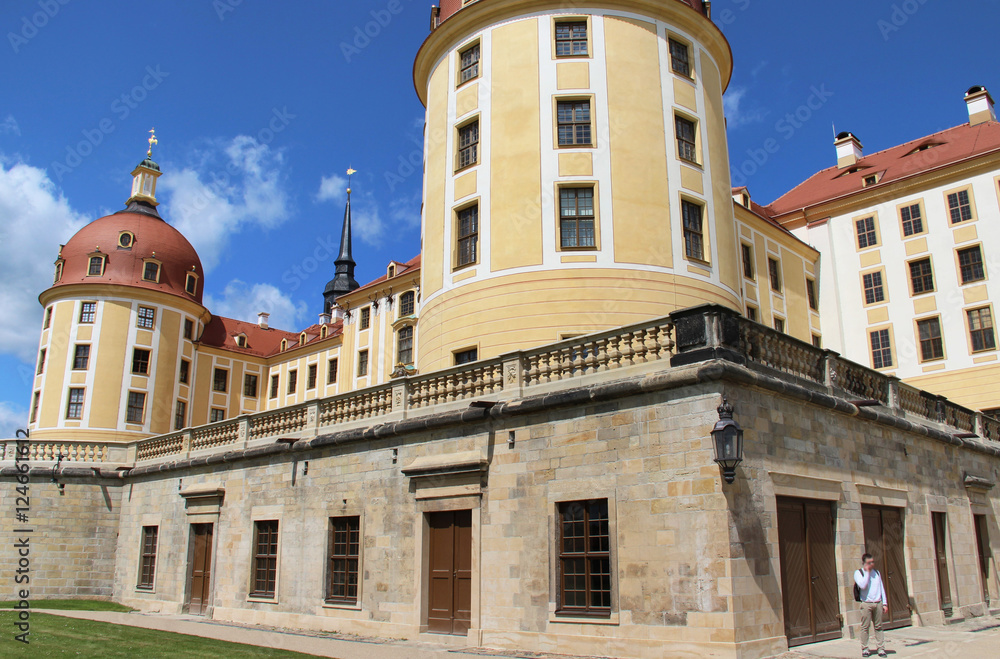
<point x="407" y="303"/>
<point x="405" y="345"/>
<point x="151" y="271"/>
<point x="96" y="268"/>
<point x="284" y="344"/>
<point x="191" y="283"/>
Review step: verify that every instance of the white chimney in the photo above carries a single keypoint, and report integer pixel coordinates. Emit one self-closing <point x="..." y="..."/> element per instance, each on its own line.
<point x="324" y="319"/>
<point x="262" y="320"/>
<point x="980" y="106"/>
<point x="849" y="150"/>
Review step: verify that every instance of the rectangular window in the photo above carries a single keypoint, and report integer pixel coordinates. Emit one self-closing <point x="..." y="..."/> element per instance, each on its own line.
<point x="81" y="357"/>
<point x="293" y="382"/>
<point x="571" y="39"/>
<point x="188" y="328"/>
<point x="407" y="303"/>
<point x="779" y="325"/>
<point x="140" y="361"/>
<point x="874" y="290"/>
<point x="34" y="406"/>
<point x="345" y="551"/>
<point x="468" y="234"/>
<point x="88" y="312"/>
<point x="881" y="350"/>
<point x="469" y="61"/>
<point x="573" y="118"/>
<point x="190" y="283"/>
<point x="185" y="371"/>
<point x="274" y="386"/>
<point x="931" y="343"/>
<point x="96" y="266"/>
<point x="576" y="217"/>
<point x="752" y="313"/>
<point x="362" y="363"/>
<point x="959" y="206"/>
<point x="466" y="356"/>
<point x="265" y="558"/>
<point x="74" y="407"/>
<point x="694" y="243"/>
<point x="970" y="263"/>
<point x="216" y="414"/>
<point x="366" y="318"/>
<point x="150" y="271"/>
<point x="147" y="565"/>
<point x="405" y="345"/>
<point x="747" y="260"/>
<point x="921" y="276"/>
<point x="48" y="318"/>
<point x="817" y="341"/>
<point x="311" y="376"/>
<point x="331" y="371"/>
<point x="867" y="236"/>
<point x="687" y="148"/>
<point x="180" y="415"/>
<point x="913" y="223"/>
<point x="146" y="318"/>
<point x="774" y="274"/>
<point x="680" y="59"/>
<point x="468" y="145"/>
<point x="811" y="294"/>
<point x="41" y="361"/>
<point x="250" y="385"/>
<point x="981" y="329"/>
<point x="135" y="407"/>
<point x="584" y="557"/>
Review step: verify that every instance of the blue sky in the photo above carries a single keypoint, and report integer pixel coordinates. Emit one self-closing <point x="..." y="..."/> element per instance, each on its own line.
<point x="260" y="107"/>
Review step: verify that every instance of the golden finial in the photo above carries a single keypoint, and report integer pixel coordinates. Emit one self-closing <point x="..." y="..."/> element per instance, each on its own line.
<point x="152" y="141"/>
<point x="350" y="172"/>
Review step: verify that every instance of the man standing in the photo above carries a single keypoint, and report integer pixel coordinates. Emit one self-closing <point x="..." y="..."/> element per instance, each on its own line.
<point x="873" y="603"/>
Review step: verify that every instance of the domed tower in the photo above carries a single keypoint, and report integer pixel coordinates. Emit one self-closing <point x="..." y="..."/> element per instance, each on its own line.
<point x="577" y="175"/>
<point x="119" y="324"/>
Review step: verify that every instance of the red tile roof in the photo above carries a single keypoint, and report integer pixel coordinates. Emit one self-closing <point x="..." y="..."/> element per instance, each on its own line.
<point x="401" y="268"/>
<point x="893" y="165"/>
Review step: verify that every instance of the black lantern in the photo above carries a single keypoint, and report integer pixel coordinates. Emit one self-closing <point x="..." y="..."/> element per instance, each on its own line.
<point x="728" y="438"/>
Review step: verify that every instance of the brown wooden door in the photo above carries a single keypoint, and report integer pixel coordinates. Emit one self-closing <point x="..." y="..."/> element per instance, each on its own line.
<point x="450" y="578"/>
<point x="940" y="524"/>
<point x="983" y="545"/>
<point x="808" y="571"/>
<point x="199" y="593"/>
<point x="884" y="541"/>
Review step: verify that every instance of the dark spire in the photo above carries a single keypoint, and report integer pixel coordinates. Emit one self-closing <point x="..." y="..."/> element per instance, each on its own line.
<point x="343" y="281"/>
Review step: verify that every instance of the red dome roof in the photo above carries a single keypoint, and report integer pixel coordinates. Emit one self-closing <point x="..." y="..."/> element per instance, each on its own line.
<point x="151" y="238"/>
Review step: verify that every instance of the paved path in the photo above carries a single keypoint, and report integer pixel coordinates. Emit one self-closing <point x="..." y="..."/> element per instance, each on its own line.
<point x="975" y="638"/>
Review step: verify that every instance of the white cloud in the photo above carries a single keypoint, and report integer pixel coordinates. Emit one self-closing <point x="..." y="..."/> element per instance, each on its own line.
<point x="12" y="417"/>
<point x="35" y="218"/>
<point x="332" y="188"/>
<point x="737" y="114"/>
<point x="243" y="301"/>
<point x="10" y="125"/>
<point x="233" y="186"/>
<point x="367" y="220"/>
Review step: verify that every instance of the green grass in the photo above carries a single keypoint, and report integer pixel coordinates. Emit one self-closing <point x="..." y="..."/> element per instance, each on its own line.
<point x="56" y="636"/>
<point x="73" y="605"/>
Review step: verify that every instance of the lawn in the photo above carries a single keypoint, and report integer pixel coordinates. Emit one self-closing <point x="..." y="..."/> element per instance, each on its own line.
<point x="55" y="636"/>
<point x="73" y="605"/>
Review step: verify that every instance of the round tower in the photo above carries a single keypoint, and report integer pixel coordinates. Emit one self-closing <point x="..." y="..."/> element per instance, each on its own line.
<point x="120" y="319"/>
<point x="576" y="171"/>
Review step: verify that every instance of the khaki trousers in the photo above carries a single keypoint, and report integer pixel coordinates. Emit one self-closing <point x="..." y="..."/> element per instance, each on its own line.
<point x="871" y="612"/>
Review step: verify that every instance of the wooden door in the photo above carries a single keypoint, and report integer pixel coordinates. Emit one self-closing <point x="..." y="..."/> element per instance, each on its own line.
<point x="940" y="524"/>
<point x="199" y="593"/>
<point x="983" y="545"/>
<point x="450" y="578"/>
<point x="808" y="571"/>
<point x="884" y="541"/>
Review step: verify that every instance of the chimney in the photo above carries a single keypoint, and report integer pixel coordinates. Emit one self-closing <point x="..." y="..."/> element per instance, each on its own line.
<point x="849" y="150"/>
<point x="324" y="319"/>
<point x="262" y="320"/>
<point x="980" y="106"/>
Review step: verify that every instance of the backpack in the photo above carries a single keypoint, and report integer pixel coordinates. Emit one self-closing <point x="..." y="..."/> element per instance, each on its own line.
<point x="857" y="591"/>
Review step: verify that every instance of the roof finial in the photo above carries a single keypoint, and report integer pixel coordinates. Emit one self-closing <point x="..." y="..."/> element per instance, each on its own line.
<point x="152" y="141"/>
<point x="350" y="171"/>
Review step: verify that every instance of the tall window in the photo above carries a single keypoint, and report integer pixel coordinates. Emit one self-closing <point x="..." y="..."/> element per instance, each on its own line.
<point x="216" y="414"/>
<point x="779" y="325"/>
<point x="151" y="271"/>
<point x="811" y="294"/>
<point x="747" y="260"/>
<point x="34" y="406"/>
<point x="96" y="268"/>
<point x="913" y="223"/>
<point x="881" y="350"/>
<point x="48" y="318"/>
<point x="817" y="341"/>
<point x="190" y="283"/>
<point x="180" y="415"/>
<point x="345" y="550"/>
<point x="185" y="371"/>
<point x="752" y="313"/>
<point x="874" y="290"/>
<point x="311" y="376"/>
<point x="694" y="240"/>
<point x="220" y="380"/>
<point x="466" y="356"/>
<point x="188" y="328"/>
<point x="469" y="60"/>
<point x="265" y="558"/>
<point x="867" y="236"/>
<point x="931" y="343"/>
<point x="959" y="206"/>
<point x="366" y="318"/>
<point x="680" y="59"/>
<point x="293" y="382"/>
<point x="250" y="385"/>
<point x="146" y="318"/>
<point x="140" y="361"/>
<point x="41" y="362"/>
<point x="88" y="312"/>
<point x="576" y="217"/>
<point x="74" y="406"/>
<point x="774" y="274"/>
<point x="407" y="303"/>
<point x="147" y="565"/>
<point x="981" y="329"/>
<point x="468" y="234"/>
<point x="687" y="148"/>
<point x="571" y="39"/>
<point x="274" y="386"/>
<point x="362" y="363"/>
<point x="921" y="276"/>
<point x="468" y="144"/>
<point x="573" y="118"/>
<point x="135" y="407"/>
<point x="405" y="345"/>
<point x="584" y="557"/>
<point x="331" y="371"/>
<point x="81" y="357"/>
<point x="970" y="262"/>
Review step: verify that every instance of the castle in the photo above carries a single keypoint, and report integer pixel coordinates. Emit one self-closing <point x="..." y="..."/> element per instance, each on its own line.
<point x="514" y="438"/>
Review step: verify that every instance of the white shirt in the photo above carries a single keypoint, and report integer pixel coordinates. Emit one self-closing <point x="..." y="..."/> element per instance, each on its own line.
<point x="871" y="586"/>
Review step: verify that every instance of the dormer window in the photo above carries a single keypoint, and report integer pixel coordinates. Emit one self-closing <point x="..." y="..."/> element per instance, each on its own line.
<point x="59" y="271"/>
<point x="322" y="332"/>
<point x="391" y="272"/>
<point x="126" y="239"/>
<point x="97" y="264"/>
<point x="241" y="340"/>
<point x="302" y="339"/>
<point x="191" y="283"/>
<point x="284" y="345"/>
<point x="871" y="180"/>
<point x="151" y="271"/>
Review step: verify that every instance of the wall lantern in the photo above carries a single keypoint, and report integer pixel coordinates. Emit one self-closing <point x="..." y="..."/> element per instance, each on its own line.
<point x="728" y="439"/>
